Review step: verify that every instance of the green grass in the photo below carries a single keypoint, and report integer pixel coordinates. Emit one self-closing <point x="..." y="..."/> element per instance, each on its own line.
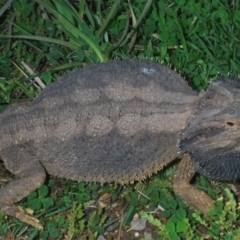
<point x="40" y="40"/>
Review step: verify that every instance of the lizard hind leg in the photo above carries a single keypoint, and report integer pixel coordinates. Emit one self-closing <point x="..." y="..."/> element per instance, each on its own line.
<point x="194" y="197"/>
<point x="31" y="176"/>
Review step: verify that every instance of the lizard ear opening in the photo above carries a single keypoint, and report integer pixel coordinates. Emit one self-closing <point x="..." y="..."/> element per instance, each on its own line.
<point x="230" y="124"/>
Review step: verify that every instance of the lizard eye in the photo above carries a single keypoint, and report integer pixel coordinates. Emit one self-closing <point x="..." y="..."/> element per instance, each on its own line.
<point x="230" y="124"/>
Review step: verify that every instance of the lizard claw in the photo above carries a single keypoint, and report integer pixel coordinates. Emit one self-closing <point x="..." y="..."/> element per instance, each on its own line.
<point x="28" y="219"/>
<point x="19" y="213"/>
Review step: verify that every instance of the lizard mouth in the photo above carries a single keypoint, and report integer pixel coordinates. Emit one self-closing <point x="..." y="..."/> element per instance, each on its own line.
<point x="218" y="130"/>
<point x="215" y="149"/>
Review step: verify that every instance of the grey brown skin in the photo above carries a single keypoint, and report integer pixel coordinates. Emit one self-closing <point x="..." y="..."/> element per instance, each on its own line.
<point x="211" y="142"/>
<point x="212" y="135"/>
<point x="115" y="122"/>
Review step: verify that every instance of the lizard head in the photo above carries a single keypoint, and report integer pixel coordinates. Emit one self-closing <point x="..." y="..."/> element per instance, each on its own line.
<point x="212" y="136"/>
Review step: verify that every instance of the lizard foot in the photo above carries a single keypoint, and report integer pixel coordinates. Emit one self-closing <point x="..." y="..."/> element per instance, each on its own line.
<point x="19" y="213"/>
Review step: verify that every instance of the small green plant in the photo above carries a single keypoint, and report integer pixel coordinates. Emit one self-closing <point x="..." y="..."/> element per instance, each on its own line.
<point x="38" y="199"/>
<point x="78" y="224"/>
<point x="182" y="225"/>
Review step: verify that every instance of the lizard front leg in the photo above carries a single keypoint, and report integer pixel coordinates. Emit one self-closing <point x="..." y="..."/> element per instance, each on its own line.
<point x="194" y="197"/>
